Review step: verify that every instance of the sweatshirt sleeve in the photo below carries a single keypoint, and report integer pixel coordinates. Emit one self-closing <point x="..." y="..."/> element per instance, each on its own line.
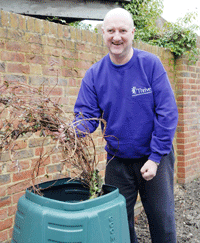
<point x="86" y="106"/>
<point x="166" y="114"/>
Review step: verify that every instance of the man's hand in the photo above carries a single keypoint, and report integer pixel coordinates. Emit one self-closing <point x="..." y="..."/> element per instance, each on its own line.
<point x="149" y="170"/>
<point x="60" y="135"/>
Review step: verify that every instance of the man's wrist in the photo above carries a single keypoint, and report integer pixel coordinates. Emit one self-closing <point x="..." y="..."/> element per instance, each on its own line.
<point x="156" y="163"/>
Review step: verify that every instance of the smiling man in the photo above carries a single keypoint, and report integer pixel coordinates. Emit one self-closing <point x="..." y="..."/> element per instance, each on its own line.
<point x="130" y="89"/>
<point x="118" y="32"/>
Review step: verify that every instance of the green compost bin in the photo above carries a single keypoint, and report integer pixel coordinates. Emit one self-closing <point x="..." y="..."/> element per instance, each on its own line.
<point x="63" y="214"/>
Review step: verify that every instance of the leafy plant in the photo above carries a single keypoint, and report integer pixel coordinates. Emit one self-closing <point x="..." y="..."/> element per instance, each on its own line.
<point x="180" y="37"/>
<point x="57" y="19"/>
<point x="76" y="24"/>
<point x="83" y="26"/>
<point x="145" y="14"/>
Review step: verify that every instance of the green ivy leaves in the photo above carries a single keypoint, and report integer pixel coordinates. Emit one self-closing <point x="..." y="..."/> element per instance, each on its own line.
<point x="180" y="37"/>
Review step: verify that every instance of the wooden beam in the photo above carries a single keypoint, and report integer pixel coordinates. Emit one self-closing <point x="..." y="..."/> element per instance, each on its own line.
<point x="78" y="9"/>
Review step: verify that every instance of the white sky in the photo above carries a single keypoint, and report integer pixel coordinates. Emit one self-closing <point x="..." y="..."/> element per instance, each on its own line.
<point x="174" y="9"/>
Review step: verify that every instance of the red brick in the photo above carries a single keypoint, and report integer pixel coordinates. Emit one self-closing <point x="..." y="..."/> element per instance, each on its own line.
<point x="56" y="91"/>
<point x="2" y="67"/>
<point x="72" y="100"/>
<point x="73" y="90"/>
<point x="46" y="27"/>
<point x="83" y="64"/>
<point x="2" y="42"/>
<point x="60" y="29"/>
<point x="53" y="28"/>
<point x="10" y="233"/>
<point x="102" y="173"/>
<point x="12" y="210"/>
<point x="181" y="164"/>
<point x="39" y="25"/>
<point x="14" y="22"/>
<point x="38" y="142"/>
<point x="60" y="43"/>
<point x="51" y="71"/>
<point x="181" y="175"/>
<point x="87" y="57"/>
<point x="32" y="58"/>
<point x="5" y="201"/>
<point x="72" y="82"/>
<point x="69" y="63"/>
<point x="23" y="175"/>
<point x="19" y="187"/>
<point x="3" y="235"/>
<point x="56" y="52"/>
<point x="182" y="170"/>
<point x="66" y="32"/>
<point x="3" y="213"/>
<point x="18" y="78"/>
<point x="181" y="180"/>
<point x="51" y="41"/>
<point x="15" y="199"/>
<point x="4" y="179"/>
<point x="56" y="158"/>
<point x="54" y="168"/>
<point x="39" y="172"/>
<point x="69" y="54"/>
<point x="18" y="68"/>
<point x="22" y="22"/>
<point x="20" y="144"/>
<point x="6" y="224"/>
<point x="3" y="191"/>
<point x="68" y="72"/>
<point x="36" y="48"/>
<point x="33" y="38"/>
<point x="101" y="166"/>
<point x="39" y="151"/>
<point x="81" y="73"/>
<point x="23" y="154"/>
<point x="5" y="18"/>
<point x="13" y="46"/>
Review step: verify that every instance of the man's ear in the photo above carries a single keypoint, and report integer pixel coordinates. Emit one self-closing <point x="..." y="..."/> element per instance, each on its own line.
<point x="133" y="32"/>
<point x="102" y="29"/>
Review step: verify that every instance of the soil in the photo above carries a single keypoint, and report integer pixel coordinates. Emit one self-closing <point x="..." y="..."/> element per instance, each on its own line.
<point x="187" y="211"/>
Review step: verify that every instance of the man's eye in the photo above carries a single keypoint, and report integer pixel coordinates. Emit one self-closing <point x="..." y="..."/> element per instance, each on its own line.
<point x="110" y="31"/>
<point x="122" y="31"/>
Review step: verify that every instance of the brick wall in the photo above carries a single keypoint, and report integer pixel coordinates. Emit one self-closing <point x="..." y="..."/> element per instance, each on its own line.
<point x="28" y="47"/>
<point x="188" y="131"/>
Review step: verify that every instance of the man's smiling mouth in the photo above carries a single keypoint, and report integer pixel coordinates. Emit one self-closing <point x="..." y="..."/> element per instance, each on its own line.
<point x="117" y="44"/>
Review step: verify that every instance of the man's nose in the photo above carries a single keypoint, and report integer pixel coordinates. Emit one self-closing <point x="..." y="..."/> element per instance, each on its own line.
<point x="117" y="36"/>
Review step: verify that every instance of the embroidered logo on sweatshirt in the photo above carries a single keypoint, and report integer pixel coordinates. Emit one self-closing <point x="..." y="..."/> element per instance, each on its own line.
<point x="140" y="91"/>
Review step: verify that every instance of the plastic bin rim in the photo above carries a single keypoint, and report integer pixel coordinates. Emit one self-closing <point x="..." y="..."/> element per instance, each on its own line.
<point x="67" y="206"/>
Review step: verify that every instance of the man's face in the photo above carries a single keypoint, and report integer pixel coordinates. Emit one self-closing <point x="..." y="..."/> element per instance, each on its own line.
<point x="118" y="35"/>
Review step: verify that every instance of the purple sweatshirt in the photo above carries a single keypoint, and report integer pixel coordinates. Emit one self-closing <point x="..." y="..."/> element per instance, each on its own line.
<point x="137" y="102"/>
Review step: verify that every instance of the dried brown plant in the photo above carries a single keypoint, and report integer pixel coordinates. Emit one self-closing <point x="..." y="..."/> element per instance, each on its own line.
<point x="27" y="110"/>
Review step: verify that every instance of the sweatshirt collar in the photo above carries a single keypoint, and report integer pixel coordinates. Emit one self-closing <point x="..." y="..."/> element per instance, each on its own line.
<point x="123" y="66"/>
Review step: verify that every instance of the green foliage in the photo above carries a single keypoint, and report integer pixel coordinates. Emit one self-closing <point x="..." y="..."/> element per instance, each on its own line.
<point x="83" y="26"/>
<point x="76" y="24"/>
<point x="57" y="20"/>
<point x="180" y="37"/>
<point x="96" y="183"/>
<point x="145" y="13"/>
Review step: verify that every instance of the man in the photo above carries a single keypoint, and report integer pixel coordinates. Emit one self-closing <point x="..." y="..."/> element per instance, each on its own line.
<point x="130" y="89"/>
